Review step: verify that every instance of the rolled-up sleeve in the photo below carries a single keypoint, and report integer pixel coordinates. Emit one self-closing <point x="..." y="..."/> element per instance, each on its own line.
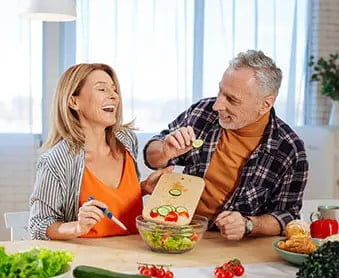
<point x="287" y="200"/>
<point x="45" y="201"/>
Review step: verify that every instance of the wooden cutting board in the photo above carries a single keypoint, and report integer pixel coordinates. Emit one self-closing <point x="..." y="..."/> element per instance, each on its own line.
<point x="174" y="199"/>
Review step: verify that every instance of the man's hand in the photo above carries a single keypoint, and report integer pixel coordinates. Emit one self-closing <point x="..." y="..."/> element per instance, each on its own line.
<point x="178" y="142"/>
<point x="148" y="185"/>
<point x="231" y="224"/>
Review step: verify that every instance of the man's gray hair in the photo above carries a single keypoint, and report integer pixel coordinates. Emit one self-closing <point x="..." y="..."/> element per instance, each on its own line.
<point x="267" y="74"/>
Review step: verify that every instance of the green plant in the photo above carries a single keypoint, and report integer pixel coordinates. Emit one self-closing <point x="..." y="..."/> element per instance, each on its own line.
<point x="327" y="72"/>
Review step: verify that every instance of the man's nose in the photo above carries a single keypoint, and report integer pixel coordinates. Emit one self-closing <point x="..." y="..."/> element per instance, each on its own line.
<point x="217" y="105"/>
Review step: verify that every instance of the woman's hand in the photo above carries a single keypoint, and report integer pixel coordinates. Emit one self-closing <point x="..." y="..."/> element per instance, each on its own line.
<point x="89" y="215"/>
<point x="147" y="186"/>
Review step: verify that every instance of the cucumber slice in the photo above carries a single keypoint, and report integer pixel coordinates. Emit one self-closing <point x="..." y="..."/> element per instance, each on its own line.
<point x="181" y="209"/>
<point x="175" y="192"/>
<point x="197" y="143"/>
<point x="171" y="208"/>
<point x="163" y="211"/>
<point x="155" y="210"/>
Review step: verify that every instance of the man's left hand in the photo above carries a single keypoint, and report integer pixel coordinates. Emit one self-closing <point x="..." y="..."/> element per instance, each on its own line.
<point x="148" y="185"/>
<point x="231" y="224"/>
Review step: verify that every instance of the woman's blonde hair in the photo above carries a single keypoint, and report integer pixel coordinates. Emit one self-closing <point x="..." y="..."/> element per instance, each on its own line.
<point x="65" y="123"/>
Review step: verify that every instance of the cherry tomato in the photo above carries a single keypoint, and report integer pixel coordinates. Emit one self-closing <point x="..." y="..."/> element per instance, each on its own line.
<point x="147" y="272"/>
<point x="154" y="271"/>
<point x="169" y="274"/>
<point x="153" y="214"/>
<point x="172" y="216"/>
<point x="220" y="274"/>
<point x="184" y="214"/>
<point x="228" y="274"/>
<point x="239" y="270"/>
<point x="141" y="268"/>
<point x="227" y="266"/>
<point x="194" y="237"/>
<point x="160" y="273"/>
<point x="217" y="270"/>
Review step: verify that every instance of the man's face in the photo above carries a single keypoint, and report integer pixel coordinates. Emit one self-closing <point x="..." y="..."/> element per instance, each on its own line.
<point x="239" y="101"/>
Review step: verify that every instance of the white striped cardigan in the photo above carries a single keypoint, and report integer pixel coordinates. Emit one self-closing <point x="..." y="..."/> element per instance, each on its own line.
<point x="58" y="182"/>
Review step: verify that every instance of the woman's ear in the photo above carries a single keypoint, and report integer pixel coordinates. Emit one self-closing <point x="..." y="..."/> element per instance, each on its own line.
<point x="73" y="103"/>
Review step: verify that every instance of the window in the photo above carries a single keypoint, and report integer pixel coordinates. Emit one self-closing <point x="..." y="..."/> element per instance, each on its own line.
<point x="150" y="45"/>
<point x="277" y="27"/>
<point x="21" y="71"/>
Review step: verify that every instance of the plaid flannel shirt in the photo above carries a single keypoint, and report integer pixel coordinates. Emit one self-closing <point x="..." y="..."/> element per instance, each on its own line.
<point x="272" y="180"/>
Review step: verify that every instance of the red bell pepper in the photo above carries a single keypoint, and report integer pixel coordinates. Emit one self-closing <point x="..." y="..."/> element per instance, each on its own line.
<point x="324" y="228"/>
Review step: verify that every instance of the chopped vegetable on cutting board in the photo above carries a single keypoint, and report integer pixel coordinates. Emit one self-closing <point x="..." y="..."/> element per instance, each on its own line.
<point x="174" y="199"/>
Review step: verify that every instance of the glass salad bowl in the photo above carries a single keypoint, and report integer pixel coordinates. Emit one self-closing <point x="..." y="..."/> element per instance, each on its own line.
<point x="171" y="239"/>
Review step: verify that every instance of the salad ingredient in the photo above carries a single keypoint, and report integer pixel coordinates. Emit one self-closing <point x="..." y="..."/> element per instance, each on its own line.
<point x="181" y="209"/>
<point x="229" y="269"/>
<point x="324" y="228"/>
<point x="172" y="216"/>
<point x="324" y="262"/>
<point x="197" y="143"/>
<point x="163" y="211"/>
<point x="84" y="271"/>
<point x="169" y="274"/>
<point x="37" y="262"/>
<point x="184" y="214"/>
<point x="174" y="242"/>
<point x="175" y="192"/>
<point x="157" y="271"/>
<point x="154" y="213"/>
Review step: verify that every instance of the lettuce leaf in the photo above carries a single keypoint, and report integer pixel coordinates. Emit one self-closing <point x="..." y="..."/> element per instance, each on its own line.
<point x="34" y="263"/>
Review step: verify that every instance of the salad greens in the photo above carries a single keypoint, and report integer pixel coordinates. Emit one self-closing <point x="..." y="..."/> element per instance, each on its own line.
<point x="179" y="242"/>
<point x="35" y="263"/>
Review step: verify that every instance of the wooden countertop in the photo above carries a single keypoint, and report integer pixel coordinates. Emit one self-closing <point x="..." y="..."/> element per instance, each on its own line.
<point x="122" y="253"/>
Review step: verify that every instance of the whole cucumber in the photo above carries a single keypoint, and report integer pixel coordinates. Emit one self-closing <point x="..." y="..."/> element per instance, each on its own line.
<point x="84" y="271"/>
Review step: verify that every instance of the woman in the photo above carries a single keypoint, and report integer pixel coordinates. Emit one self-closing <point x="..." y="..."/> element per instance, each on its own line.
<point x="88" y="154"/>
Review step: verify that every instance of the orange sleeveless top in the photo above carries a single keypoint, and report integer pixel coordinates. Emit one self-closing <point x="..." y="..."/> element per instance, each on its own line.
<point x="124" y="202"/>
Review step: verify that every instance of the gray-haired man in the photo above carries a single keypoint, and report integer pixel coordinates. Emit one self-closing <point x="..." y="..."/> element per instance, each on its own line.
<point x="253" y="164"/>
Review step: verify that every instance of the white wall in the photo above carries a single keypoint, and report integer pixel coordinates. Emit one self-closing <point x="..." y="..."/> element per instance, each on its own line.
<point x="324" y="40"/>
<point x="17" y="163"/>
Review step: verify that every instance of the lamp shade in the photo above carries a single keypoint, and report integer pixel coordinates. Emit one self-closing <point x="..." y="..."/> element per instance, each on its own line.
<point x="51" y="10"/>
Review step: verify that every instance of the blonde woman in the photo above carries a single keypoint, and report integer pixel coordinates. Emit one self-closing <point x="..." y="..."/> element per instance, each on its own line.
<point x="89" y="153"/>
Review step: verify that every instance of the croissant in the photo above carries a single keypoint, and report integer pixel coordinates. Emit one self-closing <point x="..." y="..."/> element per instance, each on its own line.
<point x="298" y="245"/>
<point x="297" y="229"/>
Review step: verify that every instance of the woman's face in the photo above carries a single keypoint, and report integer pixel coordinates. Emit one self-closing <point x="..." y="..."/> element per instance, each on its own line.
<point x="97" y="103"/>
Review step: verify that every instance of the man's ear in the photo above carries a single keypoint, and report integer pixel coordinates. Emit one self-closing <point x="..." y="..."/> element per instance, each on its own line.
<point x="73" y="103"/>
<point x="267" y="104"/>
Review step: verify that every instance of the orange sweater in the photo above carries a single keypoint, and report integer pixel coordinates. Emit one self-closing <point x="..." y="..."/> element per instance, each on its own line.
<point x="124" y="202"/>
<point x="232" y="151"/>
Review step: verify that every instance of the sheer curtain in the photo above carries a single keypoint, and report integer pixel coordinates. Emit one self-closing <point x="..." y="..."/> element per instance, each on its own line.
<point x="277" y="27"/>
<point x="149" y="43"/>
<point x="20" y="71"/>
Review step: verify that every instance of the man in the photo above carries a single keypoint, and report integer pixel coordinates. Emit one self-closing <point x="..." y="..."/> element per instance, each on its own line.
<point x="253" y="164"/>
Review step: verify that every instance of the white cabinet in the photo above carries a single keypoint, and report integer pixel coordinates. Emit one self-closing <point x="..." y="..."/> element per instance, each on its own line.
<point x="322" y="148"/>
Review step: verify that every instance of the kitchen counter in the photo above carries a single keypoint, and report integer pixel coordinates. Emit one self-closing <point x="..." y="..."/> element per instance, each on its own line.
<point x="122" y="253"/>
